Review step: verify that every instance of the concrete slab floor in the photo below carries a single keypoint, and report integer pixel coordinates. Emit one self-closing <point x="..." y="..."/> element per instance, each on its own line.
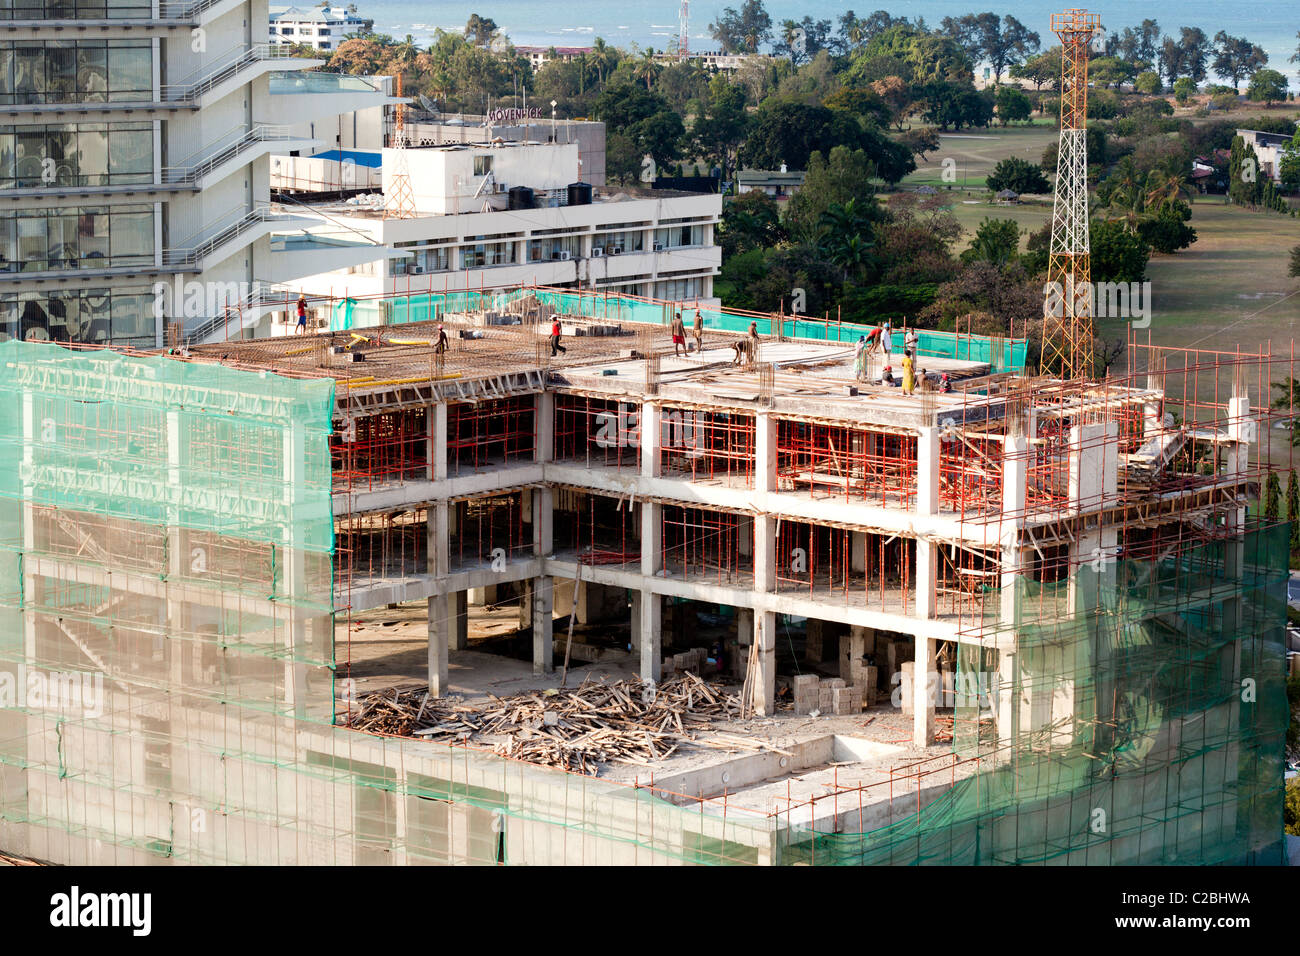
<point x="389" y="649"/>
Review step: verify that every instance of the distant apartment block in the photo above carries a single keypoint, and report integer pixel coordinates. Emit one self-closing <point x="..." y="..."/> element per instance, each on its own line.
<point x="321" y="27"/>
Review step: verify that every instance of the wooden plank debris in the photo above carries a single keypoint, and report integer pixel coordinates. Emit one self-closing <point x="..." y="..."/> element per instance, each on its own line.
<point x="624" y="721"/>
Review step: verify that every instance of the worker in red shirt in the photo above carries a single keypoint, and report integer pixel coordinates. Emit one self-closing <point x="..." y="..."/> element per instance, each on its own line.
<point x="555" y="338"/>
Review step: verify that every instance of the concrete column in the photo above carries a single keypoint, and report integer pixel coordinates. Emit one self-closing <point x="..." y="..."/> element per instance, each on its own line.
<point x="1094" y="453"/>
<point x="440" y="627"/>
<point x="1015" y="476"/>
<point x="544" y="425"/>
<point x="650" y="608"/>
<point x="924" y="692"/>
<point x="458" y="613"/>
<point x="438" y="442"/>
<point x="650" y="438"/>
<point x="765" y="440"/>
<point x="543" y="624"/>
<point x="765" y="557"/>
<point x="635" y="640"/>
<point x="1006" y="704"/>
<point x="927" y="563"/>
<point x="295" y="576"/>
<point x="542" y="509"/>
<point x="764" y="648"/>
<point x="441" y="622"/>
<point x="927" y="471"/>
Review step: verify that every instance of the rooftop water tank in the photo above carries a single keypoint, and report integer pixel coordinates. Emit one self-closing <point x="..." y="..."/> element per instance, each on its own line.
<point x="521" y="197"/>
<point x="579" y="194"/>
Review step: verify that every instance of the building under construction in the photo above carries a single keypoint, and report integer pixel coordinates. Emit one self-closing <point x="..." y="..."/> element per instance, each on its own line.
<point x="1026" y="620"/>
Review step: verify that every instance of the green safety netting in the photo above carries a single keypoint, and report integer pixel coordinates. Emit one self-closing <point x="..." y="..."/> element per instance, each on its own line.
<point x="166" y="531"/>
<point x="1146" y="723"/>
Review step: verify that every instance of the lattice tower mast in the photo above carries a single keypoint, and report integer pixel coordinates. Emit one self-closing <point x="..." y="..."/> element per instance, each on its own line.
<point x="1067" y="306"/>
<point x="684" y="28"/>
<point x="399" y="202"/>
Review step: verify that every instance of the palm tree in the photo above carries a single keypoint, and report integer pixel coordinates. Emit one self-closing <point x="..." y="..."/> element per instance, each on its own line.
<point x="647" y="68"/>
<point x="1166" y="189"/>
<point x="601" y="58"/>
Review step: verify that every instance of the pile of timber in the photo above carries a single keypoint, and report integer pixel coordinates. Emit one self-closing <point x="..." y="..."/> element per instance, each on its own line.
<point x="624" y="721"/>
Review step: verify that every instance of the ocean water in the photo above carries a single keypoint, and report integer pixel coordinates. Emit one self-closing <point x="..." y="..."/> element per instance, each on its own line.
<point x="652" y="23"/>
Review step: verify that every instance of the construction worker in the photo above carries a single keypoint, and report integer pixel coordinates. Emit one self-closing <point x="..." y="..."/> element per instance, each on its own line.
<point x="886" y="340"/>
<point x="740" y="348"/>
<point x="555" y="338"/>
<point x="887" y="376"/>
<point x="751" y="346"/>
<point x="441" y="345"/>
<point x="873" y="340"/>
<point x="698" y="332"/>
<point x="860" y="359"/>
<point x="302" y="315"/>
<point x="909" y="374"/>
<point x="678" y="330"/>
<point x="910" y="340"/>
<point x="944" y="384"/>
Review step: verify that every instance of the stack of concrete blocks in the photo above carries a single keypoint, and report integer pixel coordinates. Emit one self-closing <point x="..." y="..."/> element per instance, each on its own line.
<point x="863" y="676"/>
<point x="805" y="693"/>
<point x="846" y="701"/>
<point x="830" y="696"/>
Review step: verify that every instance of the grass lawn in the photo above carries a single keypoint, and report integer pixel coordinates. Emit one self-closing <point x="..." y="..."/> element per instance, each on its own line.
<point x="975" y="152"/>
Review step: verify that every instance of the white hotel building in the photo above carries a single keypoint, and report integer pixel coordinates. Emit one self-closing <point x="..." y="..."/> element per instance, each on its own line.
<point x="135" y="143"/>
<point x="496" y="216"/>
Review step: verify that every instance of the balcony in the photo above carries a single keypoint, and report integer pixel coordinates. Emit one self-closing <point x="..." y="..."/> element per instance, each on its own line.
<point x="239" y="65"/>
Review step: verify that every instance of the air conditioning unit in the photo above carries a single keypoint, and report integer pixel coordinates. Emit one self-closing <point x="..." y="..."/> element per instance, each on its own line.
<point x="615" y="250"/>
<point x="563" y="255"/>
<point x="597" y="251"/>
<point x="659" y="247"/>
<point x="417" y="270"/>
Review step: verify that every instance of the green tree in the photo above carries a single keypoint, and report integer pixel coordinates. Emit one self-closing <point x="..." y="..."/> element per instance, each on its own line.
<point x="845" y="231"/>
<point x="1184" y="90"/>
<point x="1273" y="497"/>
<point x="721" y="124"/>
<point x="742" y="31"/>
<point x="622" y="158"/>
<point x="1041" y="69"/>
<point x="1018" y="175"/>
<point x="1236" y="58"/>
<point x="751" y="221"/>
<point x="647" y="68"/>
<point x="1003" y="42"/>
<point x="1293" y="505"/>
<point x="480" y="30"/>
<point x="1148" y="82"/>
<point x="1244" y="174"/>
<point x="996" y="241"/>
<point x="841" y="177"/>
<point x="1111" y="71"/>
<point x="1012" y="105"/>
<point x="645" y="118"/>
<point x="1294" y="269"/>
<point x="1266" y="86"/>
<point x="1117" y="255"/>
